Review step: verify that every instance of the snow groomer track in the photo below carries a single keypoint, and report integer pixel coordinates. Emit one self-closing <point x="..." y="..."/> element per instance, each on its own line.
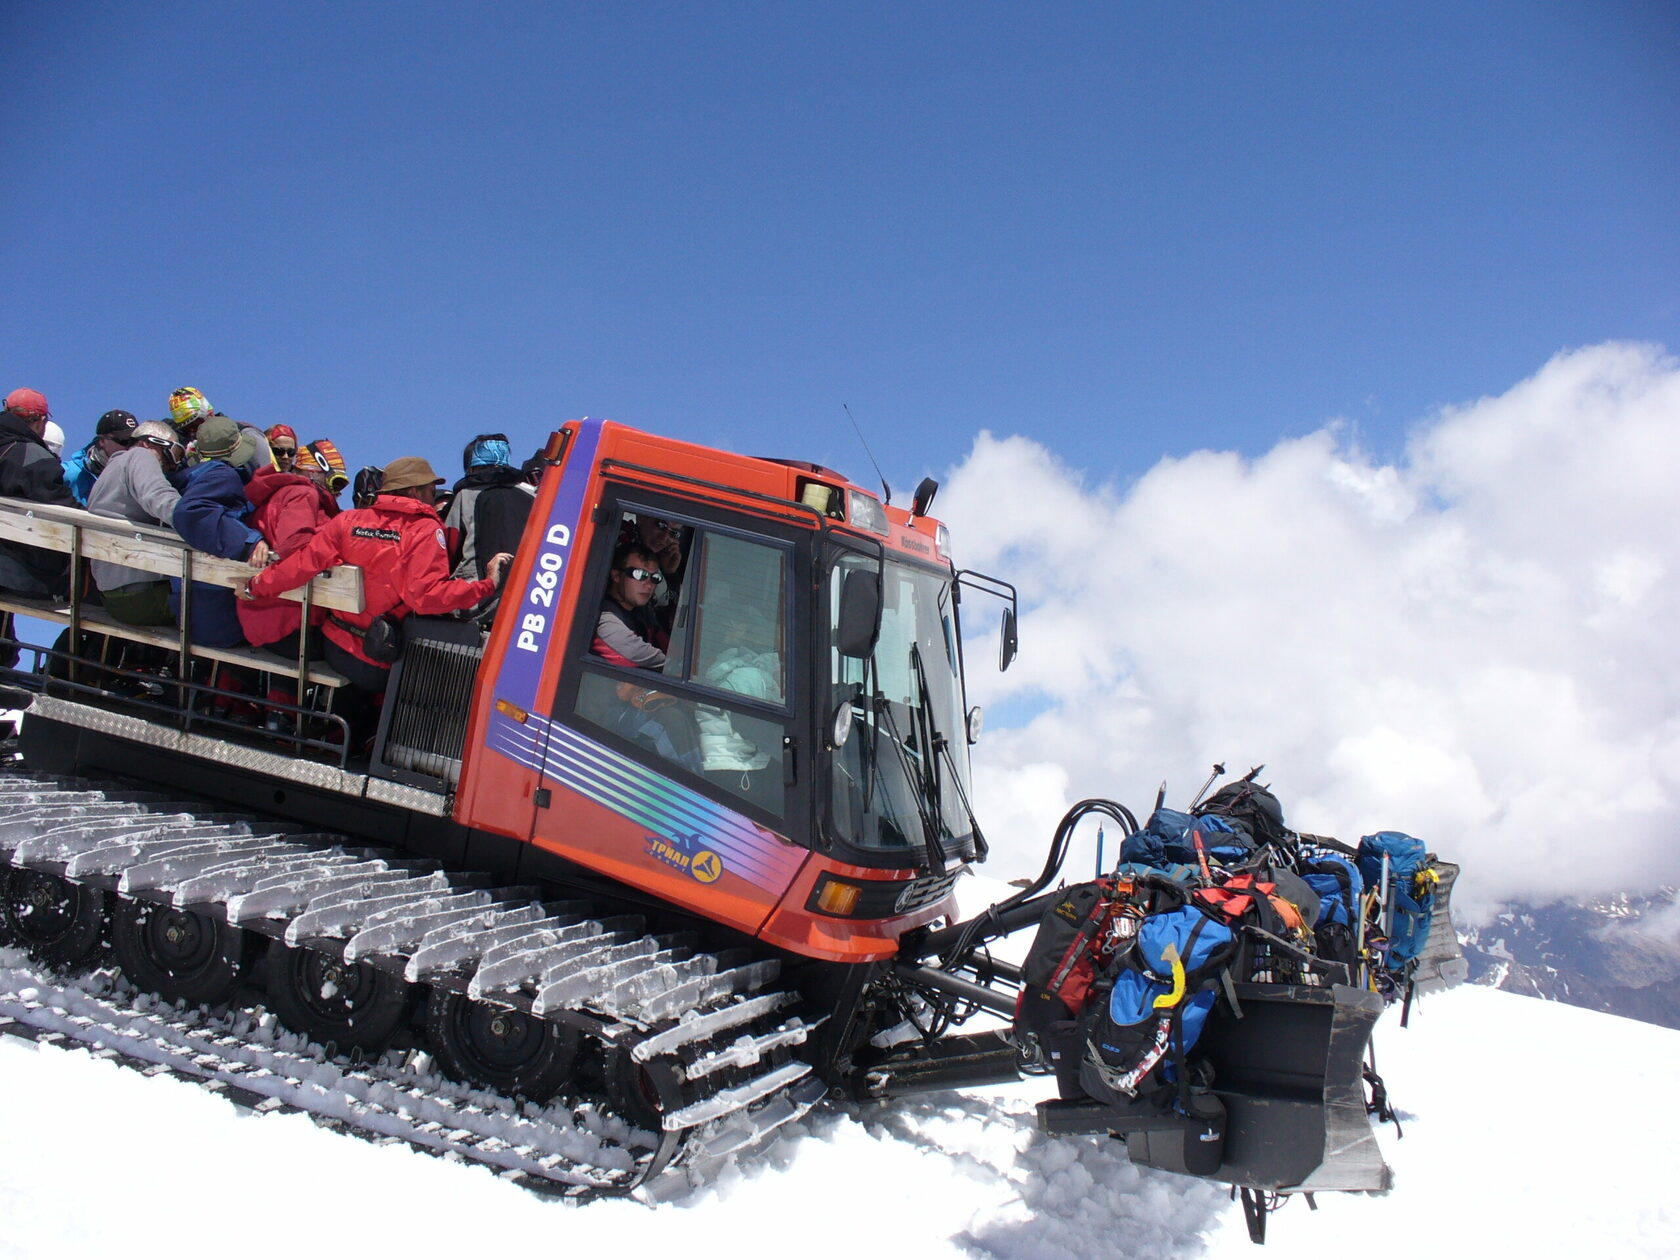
<point x="695" y="1048"/>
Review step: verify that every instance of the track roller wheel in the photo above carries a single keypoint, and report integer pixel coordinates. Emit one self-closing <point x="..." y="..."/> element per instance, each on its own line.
<point x="355" y="1006"/>
<point x="633" y="1089"/>
<point x="177" y="954"/>
<point x="59" y="923"/>
<point x="502" y="1049"/>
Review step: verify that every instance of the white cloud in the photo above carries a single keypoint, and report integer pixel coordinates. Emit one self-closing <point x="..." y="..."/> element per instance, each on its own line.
<point x="1476" y="644"/>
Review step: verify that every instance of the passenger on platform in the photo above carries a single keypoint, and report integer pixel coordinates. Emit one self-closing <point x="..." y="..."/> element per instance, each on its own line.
<point x="113" y="433"/>
<point x="400" y="546"/>
<point x="532" y="470"/>
<point x="325" y="454"/>
<point x="283" y="445"/>
<point x="28" y="470"/>
<point x="288" y="509"/>
<point x="626" y="632"/>
<point x="366" y="488"/>
<point x="189" y="408"/>
<point x="214" y="516"/>
<point x="490" y="507"/>
<point x="139" y="485"/>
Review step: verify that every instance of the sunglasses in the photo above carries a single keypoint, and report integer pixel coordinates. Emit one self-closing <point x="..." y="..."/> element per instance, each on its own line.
<point x="643" y="575"/>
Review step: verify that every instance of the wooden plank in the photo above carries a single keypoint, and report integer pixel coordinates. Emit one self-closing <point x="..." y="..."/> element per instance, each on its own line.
<point x="155" y="550"/>
<point x="96" y="620"/>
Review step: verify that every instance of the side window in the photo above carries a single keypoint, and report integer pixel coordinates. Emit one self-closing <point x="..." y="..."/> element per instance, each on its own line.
<point x="738" y="631"/>
<point x="702" y="684"/>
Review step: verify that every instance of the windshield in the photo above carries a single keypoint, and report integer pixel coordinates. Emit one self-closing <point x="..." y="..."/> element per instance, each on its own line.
<point x="900" y="780"/>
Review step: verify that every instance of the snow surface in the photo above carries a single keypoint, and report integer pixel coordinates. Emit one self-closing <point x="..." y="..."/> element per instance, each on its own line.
<point x="1531" y="1128"/>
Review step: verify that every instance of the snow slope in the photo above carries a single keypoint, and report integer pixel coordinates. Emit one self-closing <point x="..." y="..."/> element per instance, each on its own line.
<point x="1531" y="1129"/>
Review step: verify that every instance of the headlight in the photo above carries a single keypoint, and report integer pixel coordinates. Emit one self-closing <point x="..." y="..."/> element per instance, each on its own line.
<point x="865" y="511"/>
<point x="840" y="729"/>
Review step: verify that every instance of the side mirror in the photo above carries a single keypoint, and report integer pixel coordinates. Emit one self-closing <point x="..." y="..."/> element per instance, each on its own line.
<point x="923" y="499"/>
<point x="1007" y="643"/>
<point x="860" y="614"/>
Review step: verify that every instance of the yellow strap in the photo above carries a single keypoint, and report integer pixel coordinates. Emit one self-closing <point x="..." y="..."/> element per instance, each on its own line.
<point x="1169" y="1000"/>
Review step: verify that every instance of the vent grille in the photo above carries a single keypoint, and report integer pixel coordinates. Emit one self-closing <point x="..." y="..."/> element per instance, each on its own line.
<point x="425" y="722"/>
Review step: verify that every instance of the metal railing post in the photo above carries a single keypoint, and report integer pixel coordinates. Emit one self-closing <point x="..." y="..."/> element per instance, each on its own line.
<point x="185" y="620"/>
<point x="75" y="641"/>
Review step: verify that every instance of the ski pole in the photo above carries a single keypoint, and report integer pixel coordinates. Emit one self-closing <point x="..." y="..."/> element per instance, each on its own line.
<point x="1218" y="769"/>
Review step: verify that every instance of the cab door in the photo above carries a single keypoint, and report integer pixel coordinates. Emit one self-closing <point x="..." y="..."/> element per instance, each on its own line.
<point x="687" y="778"/>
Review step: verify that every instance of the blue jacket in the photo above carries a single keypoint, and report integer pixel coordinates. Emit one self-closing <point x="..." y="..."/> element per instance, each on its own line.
<point x="214" y="516"/>
<point x="78" y="476"/>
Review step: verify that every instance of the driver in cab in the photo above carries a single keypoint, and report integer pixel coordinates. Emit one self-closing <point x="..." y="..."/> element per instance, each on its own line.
<point x="627" y="632"/>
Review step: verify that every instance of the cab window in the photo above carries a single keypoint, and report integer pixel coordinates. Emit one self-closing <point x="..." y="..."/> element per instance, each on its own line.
<point x="717" y="706"/>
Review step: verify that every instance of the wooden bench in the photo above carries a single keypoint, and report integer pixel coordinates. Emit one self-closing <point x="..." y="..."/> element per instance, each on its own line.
<point x="87" y="536"/>
<point x="95" y="620"/>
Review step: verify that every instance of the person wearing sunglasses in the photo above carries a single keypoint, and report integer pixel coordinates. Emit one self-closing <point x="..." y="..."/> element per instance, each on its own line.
<point x="626" y="632"/>
<point x="289" y="508"/>
<point x="283" y="445"/>
<point x="490" y="506"/>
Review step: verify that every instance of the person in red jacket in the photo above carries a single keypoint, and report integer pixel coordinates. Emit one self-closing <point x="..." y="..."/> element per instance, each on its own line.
<point x="400" y="546"/>
<point x="288" y="509"/>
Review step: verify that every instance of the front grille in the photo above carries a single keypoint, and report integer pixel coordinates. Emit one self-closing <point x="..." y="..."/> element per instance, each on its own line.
<point x="926" y="890"/>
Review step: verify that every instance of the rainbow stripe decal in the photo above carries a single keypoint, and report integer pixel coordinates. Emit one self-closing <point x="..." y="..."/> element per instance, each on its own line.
<point x="673" y="815"/>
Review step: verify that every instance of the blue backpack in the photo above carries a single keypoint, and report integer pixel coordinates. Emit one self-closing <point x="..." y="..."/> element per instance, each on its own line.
<point x="1410" y="895"/>
<point x="1340" y="887"/>
<point x="1133" y="1043"/>
<point x="1166" y="840"/>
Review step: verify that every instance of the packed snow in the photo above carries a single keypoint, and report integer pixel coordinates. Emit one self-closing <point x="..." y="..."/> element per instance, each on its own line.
<point x="1531" y="1128"/>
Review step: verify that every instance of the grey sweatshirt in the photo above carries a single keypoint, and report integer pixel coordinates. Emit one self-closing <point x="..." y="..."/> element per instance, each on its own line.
<point x="132" y="488"/>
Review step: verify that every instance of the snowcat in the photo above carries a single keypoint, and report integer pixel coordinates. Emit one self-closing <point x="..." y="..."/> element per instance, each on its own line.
<point x="714" y="894"/>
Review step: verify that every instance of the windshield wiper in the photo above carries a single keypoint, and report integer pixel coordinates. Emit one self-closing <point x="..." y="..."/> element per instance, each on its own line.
<point x="916" y="777"/>
<point x="933" y="743"/>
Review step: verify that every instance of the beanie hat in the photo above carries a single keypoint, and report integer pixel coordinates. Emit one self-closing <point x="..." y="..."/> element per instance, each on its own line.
<point x="280" y="431"/>
<point x="52" y="437"/>
<point x="28" y="403"/>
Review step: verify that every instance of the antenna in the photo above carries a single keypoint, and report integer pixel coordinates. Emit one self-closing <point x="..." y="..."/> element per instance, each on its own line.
<point x="885" y="488"/>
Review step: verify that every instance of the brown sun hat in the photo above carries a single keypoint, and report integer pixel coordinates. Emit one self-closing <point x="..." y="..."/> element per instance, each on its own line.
<point x="408" y="472"/>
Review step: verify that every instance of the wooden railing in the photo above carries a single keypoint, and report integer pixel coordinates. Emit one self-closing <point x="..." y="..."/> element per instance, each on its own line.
<point x="87" y="536"/>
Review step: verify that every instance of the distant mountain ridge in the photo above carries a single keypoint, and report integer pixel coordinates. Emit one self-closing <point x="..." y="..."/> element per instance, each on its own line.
<point x="1618" y="954"/>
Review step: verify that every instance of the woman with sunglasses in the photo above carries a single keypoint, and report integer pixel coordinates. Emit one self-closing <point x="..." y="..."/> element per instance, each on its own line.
<point x="289" y="507"/>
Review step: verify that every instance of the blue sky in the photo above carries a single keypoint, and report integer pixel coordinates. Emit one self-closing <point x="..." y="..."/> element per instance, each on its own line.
<point x="1124" y="230"/>
<point x="1158" y="251"/>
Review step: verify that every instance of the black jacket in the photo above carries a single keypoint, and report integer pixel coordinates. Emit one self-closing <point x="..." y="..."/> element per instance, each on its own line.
<point x="490" y="509"/>
<point x="28" y="470"/>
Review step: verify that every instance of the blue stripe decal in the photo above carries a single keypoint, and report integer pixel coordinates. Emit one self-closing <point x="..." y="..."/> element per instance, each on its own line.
<point x="535" y="610"/>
